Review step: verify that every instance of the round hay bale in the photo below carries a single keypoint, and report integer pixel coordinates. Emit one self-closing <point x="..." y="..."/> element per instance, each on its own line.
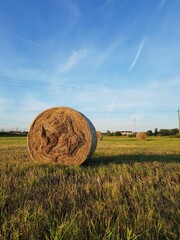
<point x="141" y="136"/>
<point x="61" y="135"/>
<point x="99" y="135"/>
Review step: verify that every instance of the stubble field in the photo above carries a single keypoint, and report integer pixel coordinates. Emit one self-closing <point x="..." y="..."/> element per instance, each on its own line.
<point x="128" y="190"/>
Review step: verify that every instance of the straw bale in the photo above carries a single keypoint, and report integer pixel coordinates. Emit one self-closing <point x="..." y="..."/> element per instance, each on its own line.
<point x="141" y="136"/>
<point x="99" y="135"/>
<point x="61" y="135"/>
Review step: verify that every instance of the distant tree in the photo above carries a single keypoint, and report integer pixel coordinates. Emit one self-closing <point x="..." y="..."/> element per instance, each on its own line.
<point x="149" y="133"/>
<point x="117" y="133"/>
<point x="164" y="132"/>
<point x="174" y="131"/>
<point x="131" y="135"/>
<point x="156" y="132"/>
<point x="108" y="133"/>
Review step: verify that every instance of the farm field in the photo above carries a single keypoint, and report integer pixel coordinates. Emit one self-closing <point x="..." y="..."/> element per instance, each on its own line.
<point x="128" y="190"/>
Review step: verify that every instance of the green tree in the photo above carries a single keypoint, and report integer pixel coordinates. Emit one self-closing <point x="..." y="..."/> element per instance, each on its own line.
<point x="149" y="133"/>
<point x="164" y="132"/>
<point x="174" y="131"/>
<point x="117" y="133"/>
<point x="156" y="132"/>
<point x="108" y="133"/>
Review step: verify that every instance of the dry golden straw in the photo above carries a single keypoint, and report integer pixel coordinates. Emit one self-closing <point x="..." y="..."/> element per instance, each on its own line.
<point x="61" y="135"/>
<point x="99" y="135"/>
<point x="141" y="136"/>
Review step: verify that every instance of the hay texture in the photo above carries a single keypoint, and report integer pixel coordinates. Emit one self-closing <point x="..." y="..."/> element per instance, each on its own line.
<point x="61" y="135"/>
<point x="141" y="136"/>
<point x="99" y="135"/>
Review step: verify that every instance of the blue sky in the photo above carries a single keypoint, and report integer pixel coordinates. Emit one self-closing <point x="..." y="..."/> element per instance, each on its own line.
<point x="112" y="60"/>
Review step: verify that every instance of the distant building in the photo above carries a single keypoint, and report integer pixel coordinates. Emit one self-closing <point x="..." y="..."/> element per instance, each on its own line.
<point x="126" y="133"/>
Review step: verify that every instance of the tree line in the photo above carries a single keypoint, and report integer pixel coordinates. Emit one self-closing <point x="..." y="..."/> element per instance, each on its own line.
<point x="161" y="132"/>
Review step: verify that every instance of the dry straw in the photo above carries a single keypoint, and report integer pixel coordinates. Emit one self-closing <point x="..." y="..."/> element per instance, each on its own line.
<point x="61" y="135"/>
<point x="99" y="135"/>
<point x="141" y="136"/>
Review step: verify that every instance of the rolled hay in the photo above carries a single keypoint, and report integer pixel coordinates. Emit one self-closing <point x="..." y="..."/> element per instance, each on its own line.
<point x="99" y="135"/>
<point x="61" y="135"/>
<point x="141" y="136"/>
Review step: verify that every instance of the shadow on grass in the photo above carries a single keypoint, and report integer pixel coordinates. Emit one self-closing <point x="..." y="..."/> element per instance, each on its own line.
<point x="98" y="161"/>
<point x="130" y="159"/>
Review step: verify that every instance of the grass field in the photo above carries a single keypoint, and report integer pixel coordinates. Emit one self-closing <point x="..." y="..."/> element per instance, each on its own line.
<point x="128" y="190"/>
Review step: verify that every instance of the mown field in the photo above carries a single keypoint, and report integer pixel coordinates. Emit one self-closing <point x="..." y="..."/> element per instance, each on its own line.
<point x="128" y="190"/>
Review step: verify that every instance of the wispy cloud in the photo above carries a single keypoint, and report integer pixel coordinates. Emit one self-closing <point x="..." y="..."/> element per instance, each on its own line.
<point x="100" y="56"/>
<point x="112" y="104"/>
<point x="108" y="2"/>
<point x="171" y="86"/>
<point x="138" y="53"/>
<point x="3" y="102"/>
<point x="161" y="4"/>
<point x="106" y="8"/>
<point x="28" y="41"/>
<point x="31" y="104"/>
<point x="74" y="59"/>
<point x="73" y="9"/>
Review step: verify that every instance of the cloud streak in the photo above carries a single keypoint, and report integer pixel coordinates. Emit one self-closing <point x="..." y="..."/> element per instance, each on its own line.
<point x="35" y="104"/>
<point x="99" y="57"/>
<point x="28" y="41"/>
<point x="161" y="4"/>
<point x="73" y="9"/>
<point x="3" y="102"/>
<point x="73" y="60"/>
<point x="138" y="53"/>
<point x="113" y="104"/>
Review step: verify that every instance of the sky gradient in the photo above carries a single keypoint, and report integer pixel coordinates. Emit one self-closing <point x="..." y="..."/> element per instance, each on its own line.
<point x="116" y="61"/>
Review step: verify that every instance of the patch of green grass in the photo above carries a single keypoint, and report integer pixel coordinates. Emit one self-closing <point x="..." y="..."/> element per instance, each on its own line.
<point x="128" y="190"/>
<point x="13" y="140"/>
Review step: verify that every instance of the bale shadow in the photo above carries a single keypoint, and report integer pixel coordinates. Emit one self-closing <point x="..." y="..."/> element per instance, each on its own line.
<point x="131" y="159"/>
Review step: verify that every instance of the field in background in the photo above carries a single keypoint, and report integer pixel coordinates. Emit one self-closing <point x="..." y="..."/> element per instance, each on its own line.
<point x="128" y="190"/>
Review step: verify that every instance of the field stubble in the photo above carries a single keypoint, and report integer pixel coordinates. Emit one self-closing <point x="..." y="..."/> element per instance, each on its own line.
<point x="128" y="190"/>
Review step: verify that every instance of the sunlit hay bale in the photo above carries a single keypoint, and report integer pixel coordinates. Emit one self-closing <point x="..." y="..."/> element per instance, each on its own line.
<point x="141" y="136"/>
<point x="61" y="135"/>
<point x="99" y="135"/>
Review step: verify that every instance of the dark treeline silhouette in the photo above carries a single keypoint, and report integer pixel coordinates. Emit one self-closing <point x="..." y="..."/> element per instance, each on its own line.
<point x="161" y="132"/>
<point x="13" y="133"/>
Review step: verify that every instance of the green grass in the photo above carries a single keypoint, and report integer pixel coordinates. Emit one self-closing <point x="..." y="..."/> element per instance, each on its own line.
<point x="128" y="190"/>
<point x="12" y="140"/>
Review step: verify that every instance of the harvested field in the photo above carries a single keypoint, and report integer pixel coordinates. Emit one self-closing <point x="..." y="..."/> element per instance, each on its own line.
<point x="121" y="193"/>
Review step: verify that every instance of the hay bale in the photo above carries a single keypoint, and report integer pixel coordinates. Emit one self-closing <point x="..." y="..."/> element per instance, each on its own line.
<point x="141" y="136"/>
<point x="61" y="135"/>
<point x="99" y="135"/>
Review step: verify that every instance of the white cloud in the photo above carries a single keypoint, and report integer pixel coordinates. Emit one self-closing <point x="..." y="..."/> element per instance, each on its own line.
<point x="173" y="82"/>
<point x="74" y="59"/>
<point x="161" y="4"/>
<point x="31" y="104"/>
<point x="106" y="3"/>
<point x="73" y="9"/>
<point x="112" y="104"/>
<point x="138" y="53"/>
<point x="99" y="57"/>
<point x="2" y="101"/>
<point x="28" y="41"/>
